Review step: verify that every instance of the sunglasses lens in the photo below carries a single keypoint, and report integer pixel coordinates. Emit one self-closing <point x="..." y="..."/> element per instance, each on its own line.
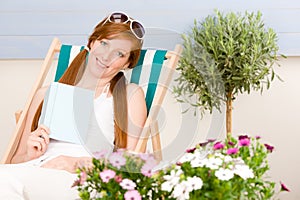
<point x="118" y="18"/>
<point x="138" y="29"/>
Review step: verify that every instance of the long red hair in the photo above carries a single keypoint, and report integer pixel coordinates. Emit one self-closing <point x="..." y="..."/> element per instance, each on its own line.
<point x="117" y="85"/>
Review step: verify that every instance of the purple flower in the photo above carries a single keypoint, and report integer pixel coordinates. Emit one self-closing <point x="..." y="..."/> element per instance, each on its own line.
<point x="232" y="151"/>
<point x="132" y="195"/>
<point x="231" y="143"/>
<point x="190" y="150"/>
<point x="218" y="145"/>
<point x="269" y="147"/>
<point x="211" y="140"/>
<point x="257" y="137"/>
<point x="106" y="175"/>
<point x="244" y="142"/>
<point x="284" y="188"/>
<point x="127" y="184"/>
<point x="243" y="137"/>
<point x="203" y="144"/>
<point x="117" y="160"/>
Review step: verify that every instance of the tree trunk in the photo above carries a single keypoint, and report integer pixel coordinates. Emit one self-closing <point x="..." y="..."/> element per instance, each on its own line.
<point x="229" y="114"/>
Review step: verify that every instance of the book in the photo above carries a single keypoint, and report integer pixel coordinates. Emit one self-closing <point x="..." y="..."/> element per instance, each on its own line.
<point x="66" y="111"/>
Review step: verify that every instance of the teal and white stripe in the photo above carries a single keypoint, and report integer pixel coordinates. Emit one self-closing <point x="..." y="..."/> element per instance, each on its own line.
<point x="66" y="56"/>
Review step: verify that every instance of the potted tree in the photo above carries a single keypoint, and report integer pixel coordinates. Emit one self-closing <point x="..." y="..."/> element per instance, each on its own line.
<point x="224" y="55"/>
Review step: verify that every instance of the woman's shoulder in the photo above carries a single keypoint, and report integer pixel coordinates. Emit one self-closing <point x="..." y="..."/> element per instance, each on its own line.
<point x="134" y="90"/>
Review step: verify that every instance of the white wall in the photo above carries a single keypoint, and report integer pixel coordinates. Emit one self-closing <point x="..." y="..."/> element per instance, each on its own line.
<point x="274" y="115"/>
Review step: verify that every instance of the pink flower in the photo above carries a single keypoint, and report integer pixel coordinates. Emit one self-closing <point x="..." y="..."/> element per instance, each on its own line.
<point x="132" y="195"/>
<point x="83" y="177"/>
<point x="117" y="160"/>
<point x="127" y="184"/>
<point x="283" y="187"/>
<point x="146" y="156"/>
<point x="100" y="154"/>
<point x="106" y="175"/>
<point x="269" y="147"/>
<point x="218" y="145"/>
<point x="244" y="142"/>
<point x="257" y="137"/>
<point x="232" y="151"/>
<point x="118" y="179"/>
<point x="147" y="169"/>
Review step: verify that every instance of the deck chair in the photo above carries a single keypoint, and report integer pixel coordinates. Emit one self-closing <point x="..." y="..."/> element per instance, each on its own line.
<point x="154" y="80"/>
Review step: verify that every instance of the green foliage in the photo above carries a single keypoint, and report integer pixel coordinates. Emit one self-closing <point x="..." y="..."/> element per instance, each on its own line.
<point x="225" y="54"/>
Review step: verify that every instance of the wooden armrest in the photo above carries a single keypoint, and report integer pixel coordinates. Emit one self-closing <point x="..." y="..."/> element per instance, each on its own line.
<point x="17" y="115"/>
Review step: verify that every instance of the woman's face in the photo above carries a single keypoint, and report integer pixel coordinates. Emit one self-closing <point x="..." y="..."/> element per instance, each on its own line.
<point x="108" y="56"/>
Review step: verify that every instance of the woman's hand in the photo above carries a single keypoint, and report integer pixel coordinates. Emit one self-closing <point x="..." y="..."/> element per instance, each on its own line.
<point x="68" y="163"/>
<point x="37" y="142"/>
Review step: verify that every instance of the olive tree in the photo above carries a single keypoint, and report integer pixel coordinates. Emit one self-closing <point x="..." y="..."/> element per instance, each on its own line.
<point x="224" y="55"/>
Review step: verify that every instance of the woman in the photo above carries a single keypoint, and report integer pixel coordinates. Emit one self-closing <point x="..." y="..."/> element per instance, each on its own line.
<point x="113" y="46"/>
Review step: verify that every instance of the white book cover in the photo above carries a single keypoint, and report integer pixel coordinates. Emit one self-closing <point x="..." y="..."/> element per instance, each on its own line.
<point x="66" y="111"/>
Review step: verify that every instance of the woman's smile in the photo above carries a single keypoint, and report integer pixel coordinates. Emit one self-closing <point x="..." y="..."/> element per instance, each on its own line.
<point x="99" y="63"/>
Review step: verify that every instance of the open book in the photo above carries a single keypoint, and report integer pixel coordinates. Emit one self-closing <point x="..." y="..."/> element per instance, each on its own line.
<point x="66" y="111"/>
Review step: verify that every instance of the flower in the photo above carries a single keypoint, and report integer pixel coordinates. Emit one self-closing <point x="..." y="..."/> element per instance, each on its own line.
<point x="117" y="160"/>
<point x="243" y="171"/>
<point x="100" y="154"/>
<point x="224" y="174"/>
<point x="232" y="151"/>
<point x="230" y="169"/>
<point x="181" y="191"/>
<point x="132" y="195"/>
<point x="127" y="184"/>
<point x="244" y="142"/>
<point x="283" y="187"/>
<point x="171" y="180"/>
<point x="195" y="183"/>
<point x="120" y="175"/>
<point x="218" y="145"/>
<point x="269" y="147"/>
<point x="106" y="175"/>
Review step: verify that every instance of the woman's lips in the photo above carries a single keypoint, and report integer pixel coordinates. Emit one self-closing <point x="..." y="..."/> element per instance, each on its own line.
<point x="101" y="64"/>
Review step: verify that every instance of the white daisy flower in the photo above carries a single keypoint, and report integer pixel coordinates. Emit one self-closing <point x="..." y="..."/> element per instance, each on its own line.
<point x="243" y="171"/>
<point x="194" y="183"/>
<point x="214" y="163"/>
<point x="224" y="174"/>
<point x="181" y="191"/>
<point x="199" y="162"/>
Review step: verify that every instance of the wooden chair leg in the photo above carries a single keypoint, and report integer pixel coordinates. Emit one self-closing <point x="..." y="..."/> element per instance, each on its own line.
<point x="17" y="115"/>
<point x="156" y="143"/>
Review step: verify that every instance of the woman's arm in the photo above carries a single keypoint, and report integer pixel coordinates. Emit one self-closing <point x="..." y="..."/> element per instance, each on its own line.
<point x="137" y="114"/>
<point x="31" y="145"/>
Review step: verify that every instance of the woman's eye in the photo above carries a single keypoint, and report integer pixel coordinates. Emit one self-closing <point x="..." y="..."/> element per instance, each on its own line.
<point x="103" y="43"/>
<point x="120" y="54"/>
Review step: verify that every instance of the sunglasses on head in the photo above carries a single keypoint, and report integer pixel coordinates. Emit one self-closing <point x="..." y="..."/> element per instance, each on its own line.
<point x="136" y="27"/>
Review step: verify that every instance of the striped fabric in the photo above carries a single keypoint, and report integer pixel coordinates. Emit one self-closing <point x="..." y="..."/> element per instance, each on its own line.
<point x="66" y="56"/>
<point x="146" y="74"/>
